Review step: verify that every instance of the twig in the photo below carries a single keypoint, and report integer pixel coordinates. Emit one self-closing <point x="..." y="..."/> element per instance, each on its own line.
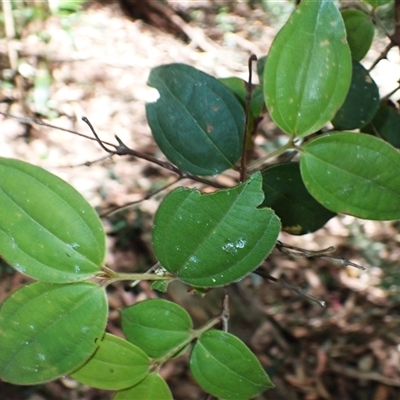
<point x="387" y="96"/>
<point x="394" y="38"/>
<point x="90" y="163"/>
<point x="249" y="93"/>
<point x="121" y="150"/>
<point x="396" y="35"/>
<point x="255" y="165"/>
<point x="299" y="252"/>
<point x="382" y="56"/>
<point x="36" y="121"/>
<point x="148" y="196"/>
<point x="343" y="262"/>
<point x="294" y="288"/>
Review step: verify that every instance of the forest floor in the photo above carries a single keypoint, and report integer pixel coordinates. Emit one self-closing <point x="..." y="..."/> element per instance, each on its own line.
<point x="95" y="64"/>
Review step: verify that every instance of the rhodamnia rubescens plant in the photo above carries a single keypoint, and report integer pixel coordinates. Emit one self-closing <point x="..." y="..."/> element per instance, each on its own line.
<point x="312" y="77"/>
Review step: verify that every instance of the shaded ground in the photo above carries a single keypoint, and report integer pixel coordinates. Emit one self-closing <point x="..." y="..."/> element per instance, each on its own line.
<point x="99" y="62"/>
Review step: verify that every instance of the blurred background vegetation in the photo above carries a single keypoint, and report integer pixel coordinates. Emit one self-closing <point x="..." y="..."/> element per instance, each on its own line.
<point x="60" y="60"/>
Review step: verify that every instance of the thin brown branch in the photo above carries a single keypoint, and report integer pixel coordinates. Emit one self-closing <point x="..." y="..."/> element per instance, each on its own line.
<point x="382" y="56"/>
<point x="343" y="262"/>
<point x="287" y="285"/>
<point x="120" y="149"/>
<point x="396" y="35"/>
<point x="394" y="38"/>
<point x="36" y="121"/>
<point x="249" y="93"/>
<point x="148" y="196"/>
<point x="299" y="252"/>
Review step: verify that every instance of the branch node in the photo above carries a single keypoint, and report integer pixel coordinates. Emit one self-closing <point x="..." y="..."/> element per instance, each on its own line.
<point x="88" y="123"/>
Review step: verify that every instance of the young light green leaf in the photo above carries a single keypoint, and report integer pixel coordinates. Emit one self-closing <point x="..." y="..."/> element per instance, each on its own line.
<point x="308" y="69"/>
<point x="151" y="388"/>
<point x="353" y="173"/>
<point x="47" y="229"/>
<point x="156" y="326"/>
<point x="362" y="101"/>
<point x="386" y="124"/>
<point x="210" y="240"/>
<point x="260" y="68"/>
<point x="49" y="330"/>
<point x="286" y="194"/>
<point x="225" y="367"/>
<point x="116" y="364"/>
<point x="360" y="32"/>
<point x="160" y="286"/>
<point x="197" y="122"/>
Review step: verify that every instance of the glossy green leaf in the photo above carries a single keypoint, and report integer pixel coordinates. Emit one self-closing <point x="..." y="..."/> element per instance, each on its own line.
<point x="116" y="364"/>
<point x="238" y="87"/>
<point x="360" y="32"/>
<point x="225" y="367"/>
<point x="156" y="326"/>
<point x="378" y="3"/>
<point x="260" y="68"/>
<point x="47" y="229"/>
<point x="308" y="70"/>
<point x="49" y="330"/>
<point x="214" y="239"/>
<point x="151" y="388"/>
<point x="353" y="173"/>
<point x="286" y="194"/>
<point x="362" y="101"/>
<point x="197" y="122"/>
<point x="386" y="124"/>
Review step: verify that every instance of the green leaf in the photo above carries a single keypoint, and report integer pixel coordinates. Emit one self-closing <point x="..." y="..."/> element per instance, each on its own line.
<point x="209" y="240"/>
<point x="225" y="367"/>
<point x="386" y="124"/>
<point x="156" y="326"/>
<point x="377" y="3"/>
<point x="260" y="68"/>
<point x="360" y="32"/>
<point x="353" y="173"/>
<point x="238" y="87"/>
<point x="49" y="330"/>
<point x="308" y="69"/>
<point x="160" y="286"/>
<point x="47" y="229"/>
<point x="116" y="364"/>
<point x="286" y="194"/>
<point x="151" y="388"/>
<point x="197" y="122"/>
<point x="361" y="103"/>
